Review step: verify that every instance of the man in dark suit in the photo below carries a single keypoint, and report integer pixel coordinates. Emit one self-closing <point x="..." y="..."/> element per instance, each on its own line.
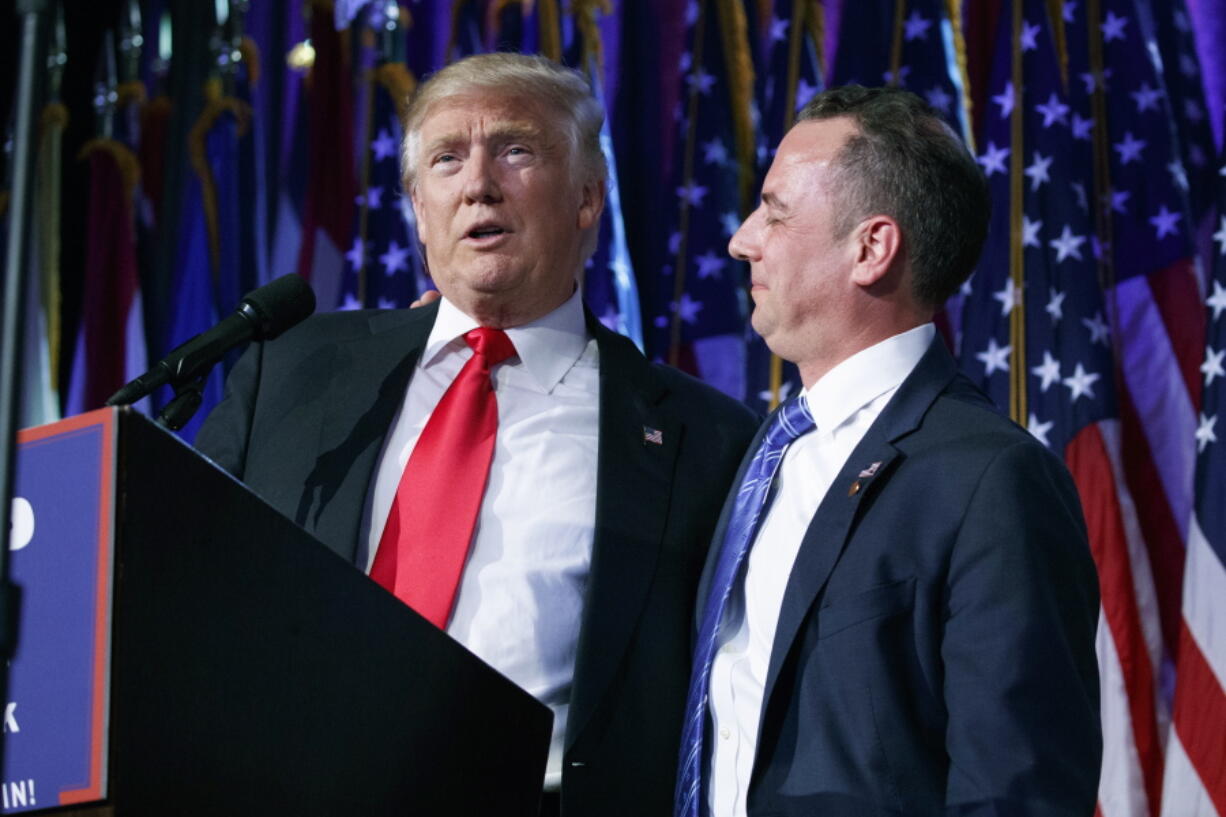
<point x="597" y="491"/>
<point x="898" y="614"/>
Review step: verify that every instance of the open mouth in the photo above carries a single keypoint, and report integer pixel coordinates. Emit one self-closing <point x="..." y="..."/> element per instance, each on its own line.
<point x="485" y="231"/>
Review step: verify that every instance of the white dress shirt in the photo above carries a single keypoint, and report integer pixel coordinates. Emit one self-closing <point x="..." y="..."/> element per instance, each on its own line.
<point x="844" y="403"/>
<point x="521" y="594"/>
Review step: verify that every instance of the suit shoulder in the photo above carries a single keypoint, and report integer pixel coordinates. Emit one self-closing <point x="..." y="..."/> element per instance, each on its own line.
<point x="963" y="418"/>
<point x="327" y="328"/>
<point x="964" y="402"/>
<point x="331" y="325"/>
<point x="706" y="402"/>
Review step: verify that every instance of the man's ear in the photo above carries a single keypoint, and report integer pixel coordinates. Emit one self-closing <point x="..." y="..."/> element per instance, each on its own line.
<point x="878" y="243"/>
<point x="591" y="203"/>
<point x="415" y="200"/>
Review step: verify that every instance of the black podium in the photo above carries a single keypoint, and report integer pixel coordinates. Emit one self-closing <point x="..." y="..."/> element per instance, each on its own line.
<point x="254" y="672"/>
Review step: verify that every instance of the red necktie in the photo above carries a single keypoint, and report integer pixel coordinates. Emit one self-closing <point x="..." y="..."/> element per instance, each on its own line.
<point x="430" y="528"/>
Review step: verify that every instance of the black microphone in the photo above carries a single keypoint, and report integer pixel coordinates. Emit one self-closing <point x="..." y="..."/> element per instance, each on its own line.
<point x="261" y="315"/>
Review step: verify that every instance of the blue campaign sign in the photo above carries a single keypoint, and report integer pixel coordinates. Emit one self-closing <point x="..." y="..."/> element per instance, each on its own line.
<point x="55" y="720"/>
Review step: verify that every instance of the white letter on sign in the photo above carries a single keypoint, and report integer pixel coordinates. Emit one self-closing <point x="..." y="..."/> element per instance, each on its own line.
<point x="22" y="524"/>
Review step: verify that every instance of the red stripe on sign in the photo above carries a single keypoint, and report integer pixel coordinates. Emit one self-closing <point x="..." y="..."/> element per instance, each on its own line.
<point x="87" y="420"/>
<point x="92" y="790"/>
<point x="1087" y="459"/>
<point x="1179" y="301"/>
<point x="1163" y="540"/>
<point x="1200" y="717"/>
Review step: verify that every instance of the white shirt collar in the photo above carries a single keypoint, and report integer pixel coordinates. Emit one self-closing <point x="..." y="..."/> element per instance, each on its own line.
<point x="547" y="347"/>
<point x="866" y="375"/>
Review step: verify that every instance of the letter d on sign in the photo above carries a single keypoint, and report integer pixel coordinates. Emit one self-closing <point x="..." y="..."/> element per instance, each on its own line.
<point x="23" y="523"/>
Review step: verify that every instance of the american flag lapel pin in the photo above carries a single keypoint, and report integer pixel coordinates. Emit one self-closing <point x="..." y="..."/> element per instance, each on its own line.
<point x="867" y="473"/>
<point x="653" y="435"/>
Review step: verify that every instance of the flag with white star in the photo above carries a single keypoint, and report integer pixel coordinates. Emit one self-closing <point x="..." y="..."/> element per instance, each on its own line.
<point x="1067" y="350"/>
<point x="609" y="286"/>
<point x="785" y="47"/>
<point x="700" y="304"/>
<point x="1145" y="195"/>
<point x="1154" y="299"/>
<point x="1103" y="367"/>
<point x="1176" y="46"/>
<point x="1195" y="775"/>
<point x="922" y="38"/>
<point x="787" y="74"/>
<point x="383" y="266"/>
<point x="926" y="56"/>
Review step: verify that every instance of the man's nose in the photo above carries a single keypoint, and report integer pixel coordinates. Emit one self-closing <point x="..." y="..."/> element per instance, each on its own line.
<point x="741" y="246"/>
<point x="480" y="178"/>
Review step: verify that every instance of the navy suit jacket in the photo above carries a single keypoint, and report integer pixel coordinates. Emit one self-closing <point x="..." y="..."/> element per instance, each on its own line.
<point x="935" y="647"/>
<point x="303" y="423"/>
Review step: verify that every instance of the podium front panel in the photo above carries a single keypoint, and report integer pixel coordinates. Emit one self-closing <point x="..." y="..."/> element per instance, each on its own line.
<point x="56" y="716"/>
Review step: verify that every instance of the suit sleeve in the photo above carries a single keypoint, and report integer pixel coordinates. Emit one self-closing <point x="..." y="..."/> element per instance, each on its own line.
<point x="225" y="433"/>
<point x="1021" y="678"/>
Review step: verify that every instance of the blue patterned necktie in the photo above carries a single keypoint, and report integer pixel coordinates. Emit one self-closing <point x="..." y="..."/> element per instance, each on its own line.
<point x="792" y="420"/>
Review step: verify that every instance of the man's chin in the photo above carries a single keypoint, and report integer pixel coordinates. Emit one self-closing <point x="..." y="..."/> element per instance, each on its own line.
<point x="478" y="277"/>
<point x="761" y="324"/>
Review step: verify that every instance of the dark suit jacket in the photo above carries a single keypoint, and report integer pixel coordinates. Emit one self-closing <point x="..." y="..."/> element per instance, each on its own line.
<point x="303" y="423"/>
<point x="935" y="648"/>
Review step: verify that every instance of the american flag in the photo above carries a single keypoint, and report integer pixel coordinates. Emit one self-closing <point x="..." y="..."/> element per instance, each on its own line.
<point x="700" y="307"/>
<point x="784" y="36"/>
<point x="1097" y="350"/>
<point x="1176" y="45"/>
<point x="1157" y="298"/>
<point x="914" y="45"/>
<point x="383" y="266"/>
<point x="1195" y="763"/>
<point x="787" y="69"/>
<point x="916" y="36"/>
<point x="609" y="286"/>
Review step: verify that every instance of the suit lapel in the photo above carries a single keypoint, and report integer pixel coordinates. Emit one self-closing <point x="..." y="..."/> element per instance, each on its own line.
<point x="369" y="378"/>
<point x="633" y="488"/>
<point x="867" y="469"/>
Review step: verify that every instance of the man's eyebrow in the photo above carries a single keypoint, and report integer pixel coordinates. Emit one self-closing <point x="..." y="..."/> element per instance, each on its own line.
<point x="774" y="202"/>
<point x="445" y="140"/>
<point x="505" y="132"/>
<point x="515" y="131"/>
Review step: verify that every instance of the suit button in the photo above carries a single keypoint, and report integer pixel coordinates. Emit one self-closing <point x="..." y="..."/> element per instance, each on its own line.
<point x="724" y="732"/>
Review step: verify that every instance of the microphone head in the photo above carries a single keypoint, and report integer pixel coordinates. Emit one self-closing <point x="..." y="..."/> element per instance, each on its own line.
<point x="277" y="306"/>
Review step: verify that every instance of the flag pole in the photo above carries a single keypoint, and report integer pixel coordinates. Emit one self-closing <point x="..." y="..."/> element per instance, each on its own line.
<point x="33" y="15"/>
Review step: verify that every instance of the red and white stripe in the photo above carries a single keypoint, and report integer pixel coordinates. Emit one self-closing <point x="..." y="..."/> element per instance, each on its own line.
<point x="1196" y="755"/>
<point x="1162" y="634"/>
